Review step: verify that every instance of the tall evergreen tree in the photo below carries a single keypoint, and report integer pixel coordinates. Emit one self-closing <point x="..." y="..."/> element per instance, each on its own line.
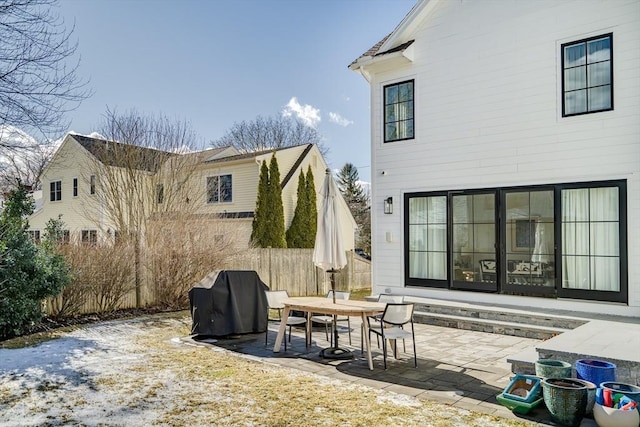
<point x="296" y="234"/>
<point x="275" y="231"/>
<point x="260" y="218"/>
<point x="312" y="206"/>
<point x="358" y="203"/>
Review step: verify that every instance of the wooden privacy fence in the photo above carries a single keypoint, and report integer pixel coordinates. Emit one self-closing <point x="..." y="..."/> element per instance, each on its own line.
<point x="293" y="270"/>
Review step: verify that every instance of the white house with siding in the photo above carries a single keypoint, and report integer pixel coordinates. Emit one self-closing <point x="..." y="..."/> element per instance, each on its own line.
<point x="505" y="145"/>
<point x="222" y="186"/>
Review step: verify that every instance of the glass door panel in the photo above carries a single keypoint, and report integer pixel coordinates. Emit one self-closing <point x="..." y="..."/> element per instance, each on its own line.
<point x="474" y="242"/>
<point x="529" y="242"/>
<point x="427" y="238"/>
<point x="591" y="239"/>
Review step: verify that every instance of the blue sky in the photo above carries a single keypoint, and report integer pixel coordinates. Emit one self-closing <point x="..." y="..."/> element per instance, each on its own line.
<point x="217" y="62"/>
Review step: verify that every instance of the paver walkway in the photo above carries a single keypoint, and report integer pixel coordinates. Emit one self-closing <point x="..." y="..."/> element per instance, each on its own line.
<point x="465" y="369"/>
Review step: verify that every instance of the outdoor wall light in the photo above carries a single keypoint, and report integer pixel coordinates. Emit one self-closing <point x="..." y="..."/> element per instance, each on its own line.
<point x="388" y="205"/>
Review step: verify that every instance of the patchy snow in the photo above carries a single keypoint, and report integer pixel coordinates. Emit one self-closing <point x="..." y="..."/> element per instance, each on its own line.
<point x="54" y="382"/>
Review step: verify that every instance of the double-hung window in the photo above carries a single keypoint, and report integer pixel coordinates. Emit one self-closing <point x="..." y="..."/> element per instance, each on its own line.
<point x="89" y="237"/>
<point x="219" y="189"/>
<point x="55" y="191"/>
<point x="398" y="111"/>
<point x="92" y="184"/>
<point x="587" y="75"/>
<point x="75" y="187"/>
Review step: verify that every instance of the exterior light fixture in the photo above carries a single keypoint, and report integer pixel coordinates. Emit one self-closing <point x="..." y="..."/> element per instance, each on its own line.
<point x="388" y="205"/>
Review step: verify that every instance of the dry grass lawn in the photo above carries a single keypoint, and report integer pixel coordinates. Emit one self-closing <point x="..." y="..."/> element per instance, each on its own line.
<point x="138" y="372"/>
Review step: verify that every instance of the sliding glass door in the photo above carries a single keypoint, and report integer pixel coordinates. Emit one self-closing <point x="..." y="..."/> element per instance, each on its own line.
<point x="474" y="241"/>
<point x="565" y="240"/>
<point x="529" y="243"/>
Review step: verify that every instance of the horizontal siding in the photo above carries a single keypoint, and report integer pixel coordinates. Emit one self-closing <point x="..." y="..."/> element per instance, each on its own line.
<point x="488" y="111"/>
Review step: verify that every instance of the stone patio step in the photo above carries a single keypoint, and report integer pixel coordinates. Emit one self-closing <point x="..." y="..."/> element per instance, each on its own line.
<point x="501" y="314"/>
<point x="525" y="330"/>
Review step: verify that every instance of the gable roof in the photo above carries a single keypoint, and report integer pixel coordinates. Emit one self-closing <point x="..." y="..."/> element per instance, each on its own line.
<point x="111" y="153"/>
<point x="400" y="40"/>
<point x="252" y="155"/>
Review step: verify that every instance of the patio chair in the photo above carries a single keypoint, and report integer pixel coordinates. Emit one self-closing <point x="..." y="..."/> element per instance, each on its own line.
<point x="328" y="320"/>
<point x="395" y="316"/>
<point x="274" y="302"/>
<point x="386" y="298"/>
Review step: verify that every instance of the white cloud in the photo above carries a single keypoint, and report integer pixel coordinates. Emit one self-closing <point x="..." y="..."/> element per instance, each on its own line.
<point x="338" y="119"/>
<point x="308" y="114"/>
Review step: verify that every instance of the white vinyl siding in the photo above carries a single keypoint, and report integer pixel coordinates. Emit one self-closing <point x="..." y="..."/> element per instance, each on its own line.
<point x="494" y="108"/>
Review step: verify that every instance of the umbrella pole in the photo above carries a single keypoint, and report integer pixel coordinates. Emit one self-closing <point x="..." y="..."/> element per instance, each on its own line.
<point x="335" y="352"/>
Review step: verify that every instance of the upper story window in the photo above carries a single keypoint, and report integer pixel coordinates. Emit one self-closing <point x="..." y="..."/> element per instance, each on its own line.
<point x="398" y="111"/>
<point x="55" y="191"/>
<point x="92" y="184"/>
<point x="219" y="189"/>
<point x="75" y="187"/>
<point x="587" y="76"/>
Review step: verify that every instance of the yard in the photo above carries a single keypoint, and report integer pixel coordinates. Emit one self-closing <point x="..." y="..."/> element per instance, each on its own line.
<point x="139" y="372"/>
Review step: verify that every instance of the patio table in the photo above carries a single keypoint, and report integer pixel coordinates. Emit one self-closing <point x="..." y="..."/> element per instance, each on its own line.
<point x="325" y="305"/>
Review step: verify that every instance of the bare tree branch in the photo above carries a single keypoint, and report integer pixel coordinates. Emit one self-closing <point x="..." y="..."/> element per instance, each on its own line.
<point x="265" y="133"/>
<point x="37" y="84"/>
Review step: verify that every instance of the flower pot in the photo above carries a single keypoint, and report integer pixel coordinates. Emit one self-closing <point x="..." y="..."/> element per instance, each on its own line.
<point x="547" y="368"/>
<point x="596" y="371"/>
<point x="611" y="417"/>
<point x="629" y="390"/>
<point x="566" y="400"/>
<point x="591" y="396"/>
<point x="524" y="388"/>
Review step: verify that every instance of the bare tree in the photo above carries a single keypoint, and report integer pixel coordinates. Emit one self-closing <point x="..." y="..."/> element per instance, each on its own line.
<point x="138" y="175"/>
<point x="24" y="166"/>
<point x="38" y="85"/>
<point x="265" y="133"/>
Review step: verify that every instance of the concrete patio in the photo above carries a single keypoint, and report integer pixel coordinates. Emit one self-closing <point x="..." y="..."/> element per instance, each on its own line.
<point x="462" y="368"/>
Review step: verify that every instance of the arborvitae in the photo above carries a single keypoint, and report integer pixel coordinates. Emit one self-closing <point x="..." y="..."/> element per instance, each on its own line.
<point x="275" y="231"/>
<point x="300" y="222"/>
<point x="312" y="214"/>
<point x="261" y="216"/>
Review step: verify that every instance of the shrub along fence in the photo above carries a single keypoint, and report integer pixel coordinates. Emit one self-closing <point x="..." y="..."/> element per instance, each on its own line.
<point x="281" y="269"/>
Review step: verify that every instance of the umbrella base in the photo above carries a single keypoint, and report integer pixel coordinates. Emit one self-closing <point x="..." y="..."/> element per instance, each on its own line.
<point x="336" y="353"/>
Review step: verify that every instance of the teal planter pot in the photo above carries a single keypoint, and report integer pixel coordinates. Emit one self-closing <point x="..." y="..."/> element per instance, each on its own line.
<point x="547" y="368"/>
<point x="566" y="400"/>
<point x="591" y="396"/>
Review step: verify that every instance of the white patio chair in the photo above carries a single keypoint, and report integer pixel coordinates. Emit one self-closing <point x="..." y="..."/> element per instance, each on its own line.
<point x="393" y="319"/>
<point x="385" y="298"/>
<point x="274" y="302"/>
<point x="328" y="320"/>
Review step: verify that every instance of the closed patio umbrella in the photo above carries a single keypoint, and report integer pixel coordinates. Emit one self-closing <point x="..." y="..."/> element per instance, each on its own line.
<point x="328" y="251"/>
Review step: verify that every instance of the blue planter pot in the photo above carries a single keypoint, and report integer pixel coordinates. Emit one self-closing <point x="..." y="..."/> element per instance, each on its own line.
<point x="629" y="390"/>
<point x="595" y="371"/>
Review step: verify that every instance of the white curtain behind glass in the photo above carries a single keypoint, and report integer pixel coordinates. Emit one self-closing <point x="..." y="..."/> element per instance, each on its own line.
<point x="590" y="239"/>
<point x="428" y="237"/>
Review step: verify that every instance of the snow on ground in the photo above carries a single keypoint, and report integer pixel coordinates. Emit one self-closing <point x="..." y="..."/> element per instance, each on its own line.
<point x="54" y="382"/>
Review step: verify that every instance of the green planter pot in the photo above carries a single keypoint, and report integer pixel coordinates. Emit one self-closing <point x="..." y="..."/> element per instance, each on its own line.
<point x="566" y="400"/>
<point x="547" y="368"/>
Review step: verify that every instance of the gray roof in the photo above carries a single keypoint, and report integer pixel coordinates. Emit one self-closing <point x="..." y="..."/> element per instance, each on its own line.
<point x="118" y="154"/>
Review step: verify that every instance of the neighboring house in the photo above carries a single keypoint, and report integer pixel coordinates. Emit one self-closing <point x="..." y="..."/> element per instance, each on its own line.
<point x="218" y="185"/>
<point x="506" y="154"/>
